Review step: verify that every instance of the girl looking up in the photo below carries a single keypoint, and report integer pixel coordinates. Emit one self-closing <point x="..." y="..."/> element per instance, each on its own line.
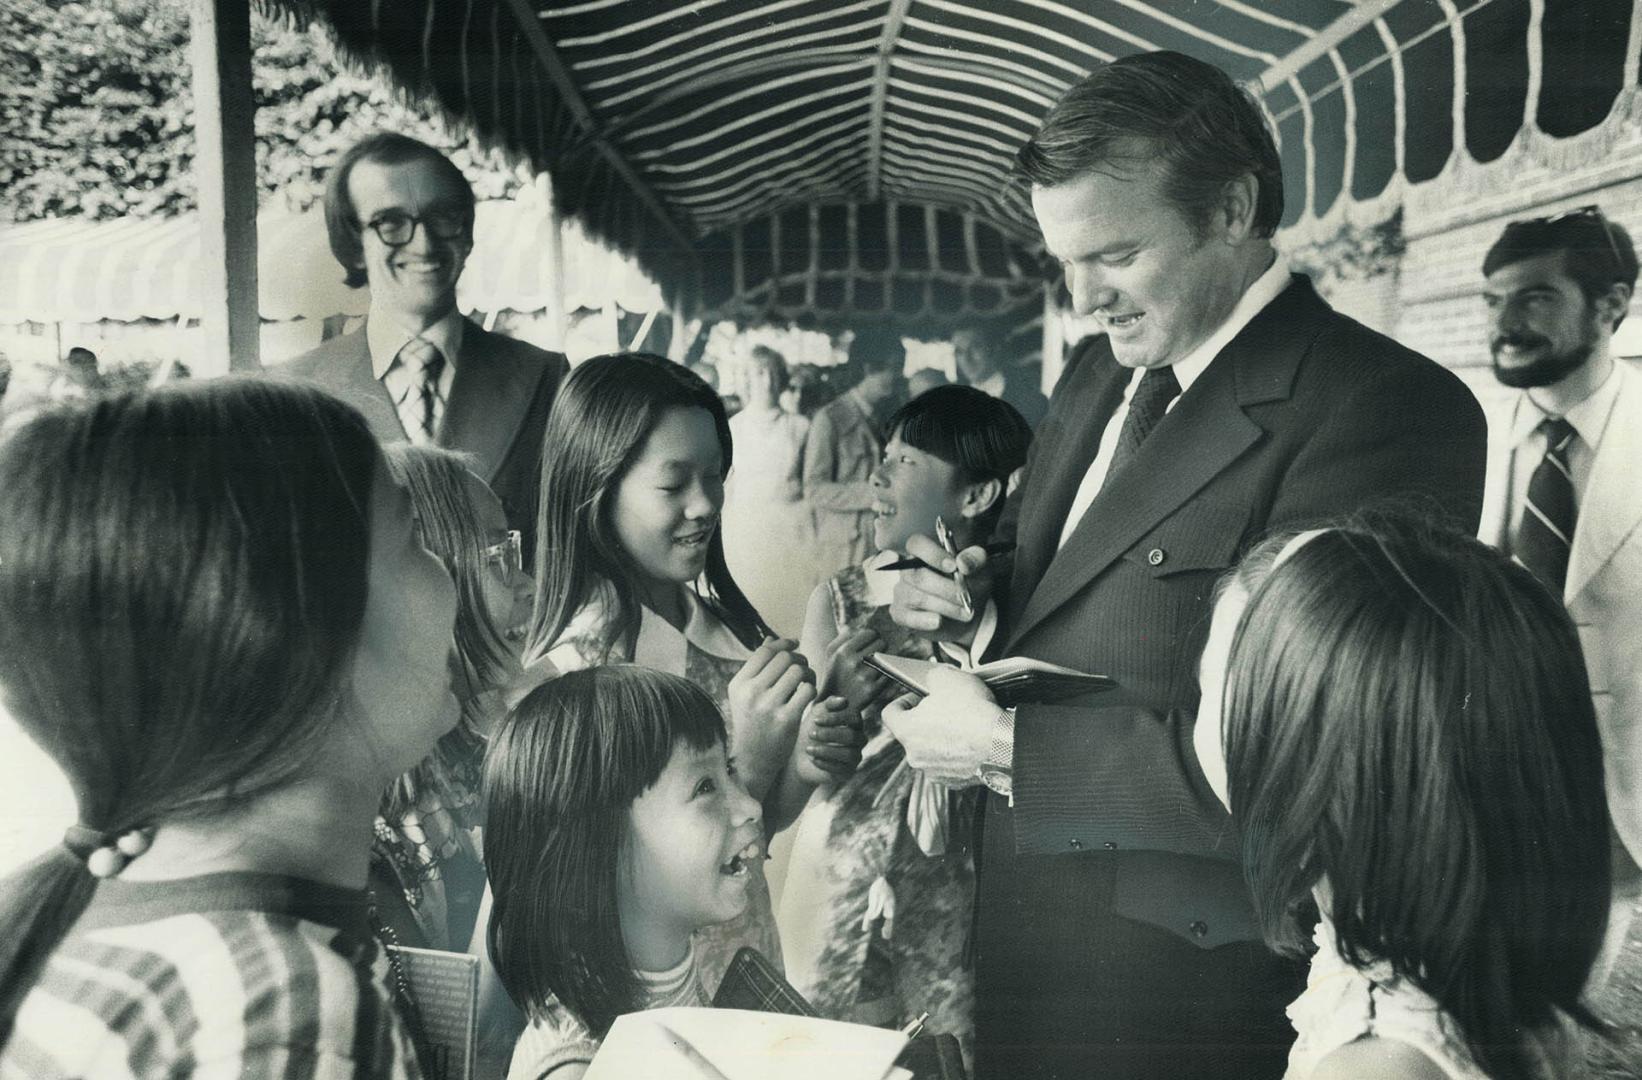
<point x="426" y="875"/>
<point x="1412" y="760"/>
<point x="881" y="888"/>
<point x="217" y="615"/>
<point x="630" y="567"/>
<point x="616" y="829"/>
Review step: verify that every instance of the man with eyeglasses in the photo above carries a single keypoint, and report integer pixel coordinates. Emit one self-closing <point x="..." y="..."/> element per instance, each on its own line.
<point x="400" y="219"/>
<point x="1564" y="493"/>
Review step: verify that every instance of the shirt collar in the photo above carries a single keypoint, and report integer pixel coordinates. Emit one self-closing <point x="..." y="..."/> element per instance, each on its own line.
<point x="1265" y="289"/>
<point x="385" y="336"/>
<point x="1589" y="418"/>
<point x="881" y="586"/>
<point x="660" y="643"/>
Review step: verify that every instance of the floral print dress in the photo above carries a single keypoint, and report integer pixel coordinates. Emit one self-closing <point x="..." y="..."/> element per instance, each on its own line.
<point x="880" y="892"/>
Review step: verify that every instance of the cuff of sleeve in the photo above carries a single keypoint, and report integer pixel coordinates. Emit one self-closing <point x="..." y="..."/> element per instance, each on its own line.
<point x="986" y="628"/>
<point x="997" y="769"/>
<point x="1001" y="753"/>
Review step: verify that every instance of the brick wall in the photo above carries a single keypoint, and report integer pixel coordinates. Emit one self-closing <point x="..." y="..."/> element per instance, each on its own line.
<point x="1432" y="302"/>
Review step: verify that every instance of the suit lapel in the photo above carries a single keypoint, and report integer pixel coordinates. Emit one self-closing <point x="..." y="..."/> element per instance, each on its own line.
<point x="1205" y="432"/>
<point x="1611" y="510"/>
<point x="352" y="380"/>
<point x="1061" y="463"/>
<point x="489" y="398"/>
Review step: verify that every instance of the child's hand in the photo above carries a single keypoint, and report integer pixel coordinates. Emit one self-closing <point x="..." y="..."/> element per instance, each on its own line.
<point x="767" y="700"/>
<point x="847" y="672"/>
<point x="829" y="742"/>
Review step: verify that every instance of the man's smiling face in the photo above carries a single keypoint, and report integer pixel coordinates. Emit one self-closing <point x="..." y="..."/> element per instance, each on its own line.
<point x="1544" y="327"/>
<point x="415" y="281"/>
<point x="1159" y="283"/>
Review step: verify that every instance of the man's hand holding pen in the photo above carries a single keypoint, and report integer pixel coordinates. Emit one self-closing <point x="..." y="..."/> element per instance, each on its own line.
<point x="930" y="599"/>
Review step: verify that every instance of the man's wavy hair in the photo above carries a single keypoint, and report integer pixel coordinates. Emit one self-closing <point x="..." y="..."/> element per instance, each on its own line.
<point x="1168" y="107"/>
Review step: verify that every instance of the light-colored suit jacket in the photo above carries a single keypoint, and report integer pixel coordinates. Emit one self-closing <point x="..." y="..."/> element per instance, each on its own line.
<point x="1604" y="588"/>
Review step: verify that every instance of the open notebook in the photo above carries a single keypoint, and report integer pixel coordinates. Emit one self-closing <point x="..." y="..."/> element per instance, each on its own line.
<point x="1014" y="680"/>
<point x="735" y="1044"/>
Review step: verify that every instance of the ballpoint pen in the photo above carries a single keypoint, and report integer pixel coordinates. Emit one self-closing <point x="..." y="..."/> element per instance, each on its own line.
<point x="944" y="536"/>
<point x="1002" y="547"/>
<point x="914" y="1029"/>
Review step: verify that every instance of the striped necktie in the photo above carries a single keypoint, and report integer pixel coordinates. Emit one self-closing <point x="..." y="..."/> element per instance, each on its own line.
<point x="425" y="363"/>
<point x="1546" y="531"/>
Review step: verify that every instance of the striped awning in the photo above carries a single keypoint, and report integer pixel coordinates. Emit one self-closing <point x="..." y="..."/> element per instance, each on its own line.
<point x="674" y="128"/>
<point x="130" y="269"/>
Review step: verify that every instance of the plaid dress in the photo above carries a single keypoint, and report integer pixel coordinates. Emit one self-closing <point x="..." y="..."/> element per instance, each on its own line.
<point x="225" y="975"/>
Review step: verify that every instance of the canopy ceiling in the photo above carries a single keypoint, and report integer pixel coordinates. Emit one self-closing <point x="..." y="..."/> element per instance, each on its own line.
<point x="736" y="146"/>
<point x="82" y="271"/>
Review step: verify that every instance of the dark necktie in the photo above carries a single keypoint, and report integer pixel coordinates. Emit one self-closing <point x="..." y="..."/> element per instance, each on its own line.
<point x="1157" y="388"/>
<point x="1547" y="527"/>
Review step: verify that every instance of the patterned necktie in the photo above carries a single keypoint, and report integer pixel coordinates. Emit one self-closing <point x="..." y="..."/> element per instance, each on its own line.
<point x="1547" y="527"/>
<point x="425" y="363"/>
<point x="1157" y="388"/>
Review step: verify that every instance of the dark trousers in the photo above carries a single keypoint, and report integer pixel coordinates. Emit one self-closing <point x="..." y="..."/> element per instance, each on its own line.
<point x="1066" y="989"/>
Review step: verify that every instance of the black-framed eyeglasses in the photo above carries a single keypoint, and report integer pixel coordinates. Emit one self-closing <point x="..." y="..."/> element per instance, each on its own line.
<point x="395" y="227"/>
<point x="508" y="555"/>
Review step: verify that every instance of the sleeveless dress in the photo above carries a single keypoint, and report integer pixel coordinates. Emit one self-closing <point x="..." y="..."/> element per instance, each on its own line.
<point x="709" y="655"/>
<point x="1343" y="1003"/>
<point x="881" y="890"/>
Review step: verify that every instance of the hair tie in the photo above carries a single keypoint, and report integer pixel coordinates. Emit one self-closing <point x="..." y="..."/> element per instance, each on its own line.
<point x="104" y="853"/>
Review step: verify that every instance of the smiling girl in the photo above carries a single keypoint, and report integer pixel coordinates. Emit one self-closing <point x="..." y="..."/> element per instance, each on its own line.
<point x="630" y="567"/>
<point x="881" y="887"/>
<point x="617" y="829"/>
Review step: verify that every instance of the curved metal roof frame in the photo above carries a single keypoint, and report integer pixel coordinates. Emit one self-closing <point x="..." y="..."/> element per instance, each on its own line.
<point x="675" y="129"/>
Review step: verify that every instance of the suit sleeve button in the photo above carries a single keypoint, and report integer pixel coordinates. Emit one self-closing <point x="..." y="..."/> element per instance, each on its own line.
<point x="1199" y="928"/>
<point x="1156" y="556"/>
<point x="1077" y="845"/>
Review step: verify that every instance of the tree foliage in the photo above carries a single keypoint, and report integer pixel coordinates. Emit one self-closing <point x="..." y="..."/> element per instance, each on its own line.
<point x="96" y="107"/>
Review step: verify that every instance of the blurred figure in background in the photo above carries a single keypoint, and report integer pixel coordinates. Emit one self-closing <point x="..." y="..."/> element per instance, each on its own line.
<point x="979" y="355"/>
<point x="925" y="379"/>
<point x="845" y="442"/>
<point x="78" y="378"/>
<point x="767" y="533"/>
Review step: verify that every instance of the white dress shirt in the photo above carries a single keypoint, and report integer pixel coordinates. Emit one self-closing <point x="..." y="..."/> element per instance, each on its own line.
<point x="1265" y="289"/>
<point x="1589" y="420"/>
<point x="1254" y="300"/>
<point x="385" y="337"/>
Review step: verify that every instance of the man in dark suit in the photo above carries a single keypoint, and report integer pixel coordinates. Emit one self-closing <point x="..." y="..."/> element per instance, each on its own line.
<point x="1226" y="400"/>
<point x="976" y="354"/>
<point x="400" y="218"/>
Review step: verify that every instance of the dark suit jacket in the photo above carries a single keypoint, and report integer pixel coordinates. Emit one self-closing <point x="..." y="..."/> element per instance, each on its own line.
<point x="499" y="401"/>
<point x="1304" y="416"/>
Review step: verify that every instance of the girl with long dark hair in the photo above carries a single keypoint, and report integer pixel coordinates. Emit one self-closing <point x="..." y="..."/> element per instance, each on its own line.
<point x="1412" y="760"/>
<point x="217" y="616"/>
